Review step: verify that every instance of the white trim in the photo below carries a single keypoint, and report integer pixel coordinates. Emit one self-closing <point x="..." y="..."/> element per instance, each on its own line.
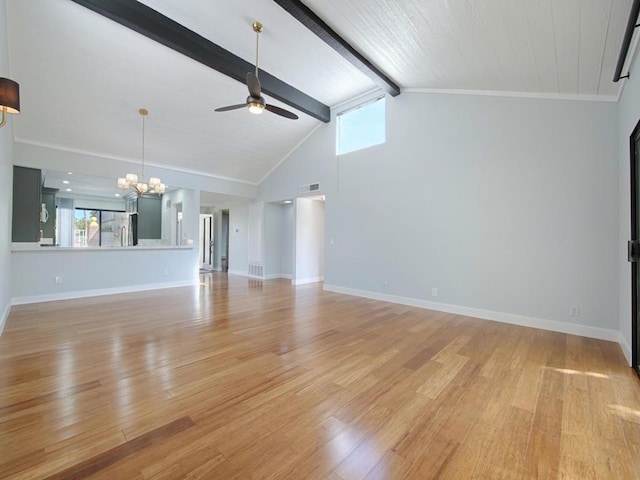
<point x="357" y="101"/>
<point x="624" y="346"/>
<point x="129" y="160"/>
<point x="313" y="130"/>
<point x="3" y="319"/>
<point x="536" y="95"/>
<point x="304" y="281"/>
<point x="273" y="276"/>
<point x="238" y="272"/>
<point x="524" y="321"/>
<point x="99" y="292"/>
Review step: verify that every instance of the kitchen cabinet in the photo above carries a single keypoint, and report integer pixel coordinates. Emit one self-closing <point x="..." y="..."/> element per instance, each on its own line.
<point x="27" y="203"/>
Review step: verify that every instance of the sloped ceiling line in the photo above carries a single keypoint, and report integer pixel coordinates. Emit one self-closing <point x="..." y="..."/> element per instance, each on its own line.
<point x="313" y="22"/>
<point x="152" y="24"/>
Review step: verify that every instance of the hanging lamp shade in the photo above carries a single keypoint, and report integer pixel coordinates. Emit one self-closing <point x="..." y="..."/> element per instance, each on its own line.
<point x="9" y="95"/>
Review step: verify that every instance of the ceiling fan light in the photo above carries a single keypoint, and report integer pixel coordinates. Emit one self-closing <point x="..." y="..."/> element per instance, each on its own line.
<point x="255" y="107"/>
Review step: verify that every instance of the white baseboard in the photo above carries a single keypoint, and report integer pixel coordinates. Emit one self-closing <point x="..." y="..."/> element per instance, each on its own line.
<point x="304" y="281"/>
<point x="626" y="349"/>
<point x="3" y="319"/>
<point x="524" y="321"/>
<point x="273" y="276"/>
<point x="99" y="292"/>
<point x="238" y="272"/>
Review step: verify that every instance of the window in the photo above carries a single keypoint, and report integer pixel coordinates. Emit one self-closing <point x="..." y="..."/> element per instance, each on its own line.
<point x="98" y="228"/>
<point x="361" y="127"/>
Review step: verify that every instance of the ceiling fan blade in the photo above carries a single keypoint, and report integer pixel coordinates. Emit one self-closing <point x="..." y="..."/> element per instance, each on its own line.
<point x="281" y="111"/>
<point x="254" y="85"/>
<point x="231" y="107"/>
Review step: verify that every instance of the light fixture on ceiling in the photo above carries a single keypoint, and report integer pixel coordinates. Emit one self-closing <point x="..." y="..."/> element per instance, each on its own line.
<point x="255" y="101"/>
<point x="155" y="185"/>
<point x="9" y="98"/>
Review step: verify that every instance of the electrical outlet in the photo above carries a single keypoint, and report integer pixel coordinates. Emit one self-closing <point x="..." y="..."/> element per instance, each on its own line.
<point x="574" y="311"/>
<point x="434" y="292"/>
<point x="58" y="280"/>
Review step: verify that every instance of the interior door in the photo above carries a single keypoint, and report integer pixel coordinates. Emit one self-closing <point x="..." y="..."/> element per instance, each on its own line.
<point x="634" y="246"/>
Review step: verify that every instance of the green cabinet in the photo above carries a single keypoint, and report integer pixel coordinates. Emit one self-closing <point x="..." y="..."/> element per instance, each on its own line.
<point x="150" y="217"/>
<point x="27" y="203"/>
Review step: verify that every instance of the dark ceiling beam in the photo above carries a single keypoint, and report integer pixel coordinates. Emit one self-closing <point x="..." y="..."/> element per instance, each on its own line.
<point x="154" y="25"/>
<point x="313" y="22"/>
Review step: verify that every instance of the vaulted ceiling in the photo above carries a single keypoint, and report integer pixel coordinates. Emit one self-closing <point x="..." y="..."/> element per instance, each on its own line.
<point x="83" y="77"/>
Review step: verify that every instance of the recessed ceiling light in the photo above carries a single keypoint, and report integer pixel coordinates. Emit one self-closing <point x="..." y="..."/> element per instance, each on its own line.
<point x="117" y="194"/>
<point x="288" y="201"/>
<point x="66" y="182"/>
<point x="70" y="173"/>
<point x="68" y="189"/>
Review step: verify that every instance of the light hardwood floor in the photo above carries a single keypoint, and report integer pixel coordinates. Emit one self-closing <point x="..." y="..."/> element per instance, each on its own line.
<point x="239" y="379"/>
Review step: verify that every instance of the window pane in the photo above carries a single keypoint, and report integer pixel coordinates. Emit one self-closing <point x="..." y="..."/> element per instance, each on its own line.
<point x="362" y="128"/>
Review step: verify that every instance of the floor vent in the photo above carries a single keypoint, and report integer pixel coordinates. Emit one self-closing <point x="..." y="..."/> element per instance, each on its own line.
<point x="256" y="269"/>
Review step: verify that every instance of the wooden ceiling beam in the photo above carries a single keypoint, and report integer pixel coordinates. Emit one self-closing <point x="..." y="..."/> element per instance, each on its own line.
<point x="313" y="22"/>
<point x="152" y="24"/>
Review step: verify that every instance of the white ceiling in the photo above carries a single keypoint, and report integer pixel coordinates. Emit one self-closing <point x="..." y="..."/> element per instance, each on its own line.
<point x="84" y="77"/>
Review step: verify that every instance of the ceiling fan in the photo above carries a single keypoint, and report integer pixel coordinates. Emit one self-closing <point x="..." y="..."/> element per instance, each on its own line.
<point x="255" y="102"/>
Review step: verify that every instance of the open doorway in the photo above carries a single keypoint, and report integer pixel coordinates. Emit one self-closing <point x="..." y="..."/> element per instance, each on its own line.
<point x="224" y="241"/>
<point x="309" y="244"/>
<point x="206" y="242"/>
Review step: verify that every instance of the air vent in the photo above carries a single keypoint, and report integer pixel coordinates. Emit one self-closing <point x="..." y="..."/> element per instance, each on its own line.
<point x="312" y="187"/>
<point x="256" y="269"/>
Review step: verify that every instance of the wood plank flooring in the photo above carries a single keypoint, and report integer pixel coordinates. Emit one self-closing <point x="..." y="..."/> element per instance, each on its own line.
<point x="242" y="379"/>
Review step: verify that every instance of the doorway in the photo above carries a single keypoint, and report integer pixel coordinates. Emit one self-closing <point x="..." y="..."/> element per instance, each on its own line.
<point x="206" y="242"/>
<point x="309" y="240"/>
<point x="224" y="242"/>
<point x="634" y="246"/>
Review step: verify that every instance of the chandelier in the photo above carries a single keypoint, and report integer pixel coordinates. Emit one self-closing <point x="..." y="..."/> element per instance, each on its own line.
<point x="130" y="180"/>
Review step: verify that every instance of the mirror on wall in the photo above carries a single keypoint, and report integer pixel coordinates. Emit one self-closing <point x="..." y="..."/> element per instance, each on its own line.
<point x="89" y="211"/>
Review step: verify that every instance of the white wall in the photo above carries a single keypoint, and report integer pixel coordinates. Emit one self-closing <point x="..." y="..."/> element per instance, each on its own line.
<point x="288" y="234"/>
<point x="628" y="117"/>
<point x="190" y="217"/>
<point x="309" y="256"/>
<point x="6" y="180"/>
<point x="507" y="205"/>
<point x="256" y="233"/>
<point x="278" y="240"/>
<point x="91" y="272"/>
<point x="238" y="239"/>
<point x="273" y="239"/>
<point x="48" y="158"/>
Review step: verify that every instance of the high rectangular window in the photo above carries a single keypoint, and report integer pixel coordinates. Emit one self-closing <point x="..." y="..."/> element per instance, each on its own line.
<point x="361" y="127"/>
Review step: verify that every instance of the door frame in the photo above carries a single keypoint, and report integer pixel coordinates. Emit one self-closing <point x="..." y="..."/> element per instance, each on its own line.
<point x="635" y="344"/>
